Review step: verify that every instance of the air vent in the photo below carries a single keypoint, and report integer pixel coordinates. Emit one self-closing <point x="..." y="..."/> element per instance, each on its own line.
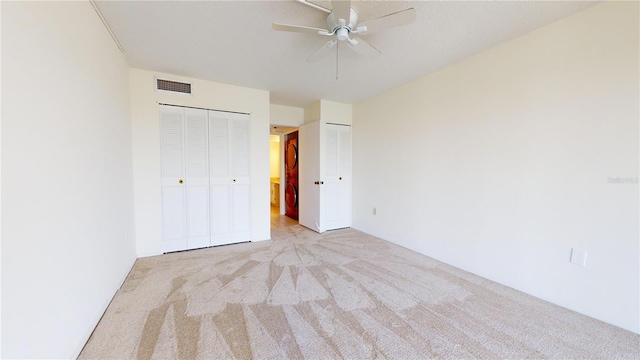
<point x="173" y="86"/>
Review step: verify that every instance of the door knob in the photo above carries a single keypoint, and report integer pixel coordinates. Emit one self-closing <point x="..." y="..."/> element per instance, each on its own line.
<point x="180" y="181"/>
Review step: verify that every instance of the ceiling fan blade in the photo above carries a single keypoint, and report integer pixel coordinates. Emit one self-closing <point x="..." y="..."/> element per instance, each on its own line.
<point x="399" y="18"/>
<point x="296" y="28"/>
<point x="364" y="48"/>
<point x="310" y="4"/>
<point x="322" y="51"/>
<point x="342" y="10"/>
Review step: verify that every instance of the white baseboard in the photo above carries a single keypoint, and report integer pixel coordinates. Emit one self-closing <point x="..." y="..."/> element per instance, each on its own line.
<point x="144" y="255"/>
<point x="105" y="305"/>
<point x="261" y="239"/>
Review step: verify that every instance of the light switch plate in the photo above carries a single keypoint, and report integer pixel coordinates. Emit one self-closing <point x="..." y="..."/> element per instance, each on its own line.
<point x="578" y="257"/>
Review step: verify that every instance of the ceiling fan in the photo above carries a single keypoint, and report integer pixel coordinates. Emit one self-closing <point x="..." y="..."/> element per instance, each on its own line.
<point x="342" y="23"/>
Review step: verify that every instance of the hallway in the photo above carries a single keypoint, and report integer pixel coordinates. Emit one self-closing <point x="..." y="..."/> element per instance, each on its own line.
<point x="280" y="222"/>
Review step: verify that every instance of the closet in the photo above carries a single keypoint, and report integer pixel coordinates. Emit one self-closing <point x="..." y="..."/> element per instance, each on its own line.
<point x="205" y="178"/>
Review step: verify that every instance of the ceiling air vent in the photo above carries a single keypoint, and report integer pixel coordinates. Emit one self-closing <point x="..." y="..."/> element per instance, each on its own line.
<point x="173" y="86"/>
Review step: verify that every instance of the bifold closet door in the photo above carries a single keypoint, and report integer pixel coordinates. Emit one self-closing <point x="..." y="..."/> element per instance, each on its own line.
<point x="185" y="178"/>
<point x="229" y="177"/>
<point x="174" y="219"/>
<point x="197" y="178"/>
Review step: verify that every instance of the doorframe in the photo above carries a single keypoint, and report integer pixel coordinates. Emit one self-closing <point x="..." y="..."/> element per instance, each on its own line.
<point x="281" y="188"/>
<point x="283" y="208"/>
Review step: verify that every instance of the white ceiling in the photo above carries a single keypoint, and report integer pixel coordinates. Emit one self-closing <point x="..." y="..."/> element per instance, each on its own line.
<point x="232" y="42"/>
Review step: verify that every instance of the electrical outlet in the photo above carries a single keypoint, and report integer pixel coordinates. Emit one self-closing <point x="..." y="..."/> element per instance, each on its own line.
<point x="578" y="257"/>
<point x="374" y="211"/>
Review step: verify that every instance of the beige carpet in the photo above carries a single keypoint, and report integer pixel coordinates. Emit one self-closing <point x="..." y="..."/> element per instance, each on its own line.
<point x="342" y="294"/>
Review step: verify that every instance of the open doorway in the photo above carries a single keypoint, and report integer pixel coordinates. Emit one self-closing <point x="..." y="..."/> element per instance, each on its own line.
<point x="283" y="155"/>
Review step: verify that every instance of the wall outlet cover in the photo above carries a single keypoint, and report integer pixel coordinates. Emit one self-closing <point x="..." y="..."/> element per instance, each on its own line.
<point x="578" y="257"/>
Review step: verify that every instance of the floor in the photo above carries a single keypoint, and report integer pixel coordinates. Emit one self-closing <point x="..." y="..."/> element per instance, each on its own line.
<point x="280" y="221"/>
<point x="340" y="294"/>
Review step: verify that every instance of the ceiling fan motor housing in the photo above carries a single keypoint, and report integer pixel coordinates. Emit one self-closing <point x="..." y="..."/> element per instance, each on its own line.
<point x="350" y="24"/>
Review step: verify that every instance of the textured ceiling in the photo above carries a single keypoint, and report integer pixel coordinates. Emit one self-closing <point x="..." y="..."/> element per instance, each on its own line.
<point x="232" y="42"/>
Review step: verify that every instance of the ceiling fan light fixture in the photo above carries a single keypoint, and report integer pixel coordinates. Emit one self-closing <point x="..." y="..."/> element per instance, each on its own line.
<point x="360" y="30"/>
<point x="342" y="34"/>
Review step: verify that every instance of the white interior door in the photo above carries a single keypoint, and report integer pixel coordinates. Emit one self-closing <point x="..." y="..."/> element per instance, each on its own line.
<point x="310" y="183"/>
<point x="172" y="175"/>
<point x="197" y="178"/>
<point x="337" y="176"/>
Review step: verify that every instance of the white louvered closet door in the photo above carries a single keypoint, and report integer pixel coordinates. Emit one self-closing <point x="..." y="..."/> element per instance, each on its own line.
<point x="241" y="192"/>
<point x="185" y="178"/>
<point x="197" y="178"/>
<point x="229" y="177"/>
<point x="337" y="176"/>
<point x="173" y="174"/>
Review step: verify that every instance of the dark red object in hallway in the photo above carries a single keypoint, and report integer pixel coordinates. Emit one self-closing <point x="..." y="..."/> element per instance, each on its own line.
<point x="291" y="174"/>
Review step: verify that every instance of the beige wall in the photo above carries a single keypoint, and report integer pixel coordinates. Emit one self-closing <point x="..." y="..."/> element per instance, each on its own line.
<point x="336" y="113"/>
<point x="274" y="156"/>
<point x="286" y="115"/>
<point x="67" y="201"/>
<point x="312" y="112"/>
<point x="146" y="148"/>
<point x="329" y="112"/>
<point x="500" y="164"/>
